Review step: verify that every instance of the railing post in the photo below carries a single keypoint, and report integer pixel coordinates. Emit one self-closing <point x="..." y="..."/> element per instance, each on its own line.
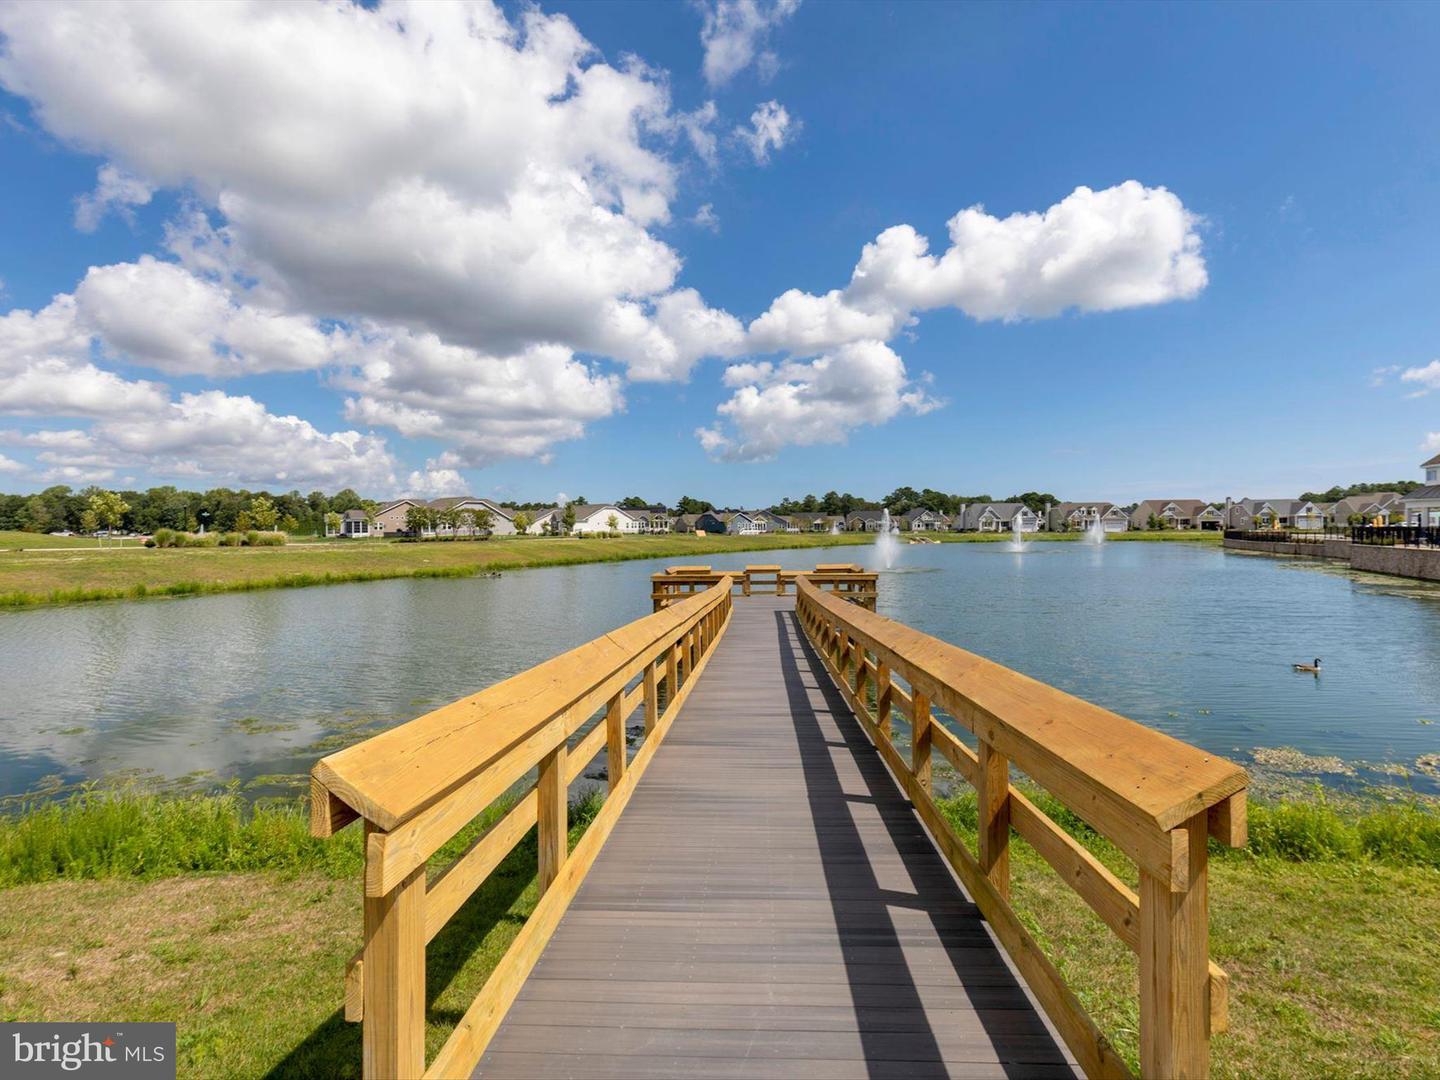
<point x="920" y="737"/>
<point x="672" y="672"/>
<point x="551" y="823"/>
<point x="615" y="759"/>
<point x="652" y="699"/>
<point x="1174" y="962"/>
<point x="393" y="1036"/>
<point x="883" y="696"/>
<point x="993" y="786"/>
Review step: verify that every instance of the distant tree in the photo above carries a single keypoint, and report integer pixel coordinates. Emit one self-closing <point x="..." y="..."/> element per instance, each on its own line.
<point x="522" y="522"/>
<point x="36" y="515"/>
<point x="1356" y="519"/>
<point x="567" y="520"/>
<point x="109" y="509"/>
<point x="1153" y="523"/>
<point x="417" y="519"/>
<point x="243" y="521"/>
<point x="613" y="523"/>
<point x="687" y="505"/>
<point x="263" y="513"/>
<point x="901" y="499"/>
<point x="90" y="523"/>
<point x="290" y="524"/>
<point x="449" y="518"/>
<point x="333" y="520"/>
<point x="1035" y="501"/>
<point x="482" y="520"/>
<point x="633" y="502"/>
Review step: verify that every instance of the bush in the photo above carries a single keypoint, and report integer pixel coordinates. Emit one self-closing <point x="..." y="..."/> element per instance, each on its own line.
<point x="252" y="538"/>
<point x="231" y="539"/>
<point x="164" y="538"/>
<point x="265" y="539"/>
<point x="194" y="540"/>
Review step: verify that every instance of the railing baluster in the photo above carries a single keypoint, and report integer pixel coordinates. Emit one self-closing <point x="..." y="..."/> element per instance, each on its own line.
<point x="921" y="739"/>
<point x="551" y="815"/>
<point x="882" y="696"/>
<point x="393" y="1035"/>
<point x="615" y="758"/>
<point x="652" y="698"/>
<point x="993" y="786"/>
<point x="1174" y="963"/>
<point x="672" y="672"/>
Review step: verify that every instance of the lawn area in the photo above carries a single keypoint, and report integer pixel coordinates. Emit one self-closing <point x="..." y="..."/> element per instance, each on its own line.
<point x="11" y="541"/>
<point x="66" y="573"/>
<point x="1334" y="962"/>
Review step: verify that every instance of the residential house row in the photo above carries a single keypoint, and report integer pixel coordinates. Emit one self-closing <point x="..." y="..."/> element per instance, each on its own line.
<point x="1420" y="507"/>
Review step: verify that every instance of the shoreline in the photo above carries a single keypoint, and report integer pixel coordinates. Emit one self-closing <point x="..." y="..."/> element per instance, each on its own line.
<point x="65" y="569"/>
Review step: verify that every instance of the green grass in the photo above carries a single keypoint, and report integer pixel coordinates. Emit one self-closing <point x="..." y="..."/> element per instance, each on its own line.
<point x="12" y="540"/>
<point x="1325" y="923"/>
<point x="180" y="908"/>
<point x="71" y="575"/>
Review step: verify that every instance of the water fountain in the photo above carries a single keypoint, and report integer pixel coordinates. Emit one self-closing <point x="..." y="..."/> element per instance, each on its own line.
<point x="1095" y="534"/>
<point x="1017" y="537"/>
<point x="834" y="528"/>
<point x="886" y="546"/>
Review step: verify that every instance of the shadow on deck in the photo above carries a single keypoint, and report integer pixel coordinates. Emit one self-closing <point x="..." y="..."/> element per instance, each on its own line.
<point x="769" y="906"/>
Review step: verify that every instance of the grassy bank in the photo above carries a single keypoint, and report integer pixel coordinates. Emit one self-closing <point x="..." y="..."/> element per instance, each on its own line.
<point x="76" y="575"/>
<point x="178" y="910"/>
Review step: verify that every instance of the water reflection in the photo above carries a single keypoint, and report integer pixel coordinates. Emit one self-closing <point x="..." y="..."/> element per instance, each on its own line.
<point x="1193" y="641"/>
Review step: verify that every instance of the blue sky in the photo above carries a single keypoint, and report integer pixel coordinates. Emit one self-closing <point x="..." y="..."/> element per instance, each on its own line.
<point x="459" y="274"/>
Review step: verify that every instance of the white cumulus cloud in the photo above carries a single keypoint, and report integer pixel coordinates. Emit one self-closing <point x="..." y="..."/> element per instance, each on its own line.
<point x="1425" y="378"/>
<point x="770" y="129"/>
<point x="114" y="191"/>
<point x="802" y="404"/>
<point x="736" y="33"/>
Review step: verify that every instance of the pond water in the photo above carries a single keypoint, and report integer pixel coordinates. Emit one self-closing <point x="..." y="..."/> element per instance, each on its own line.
<point x="254" y="686"/>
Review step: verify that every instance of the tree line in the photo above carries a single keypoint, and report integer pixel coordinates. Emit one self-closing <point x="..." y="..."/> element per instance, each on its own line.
<point x="219" y="509"/>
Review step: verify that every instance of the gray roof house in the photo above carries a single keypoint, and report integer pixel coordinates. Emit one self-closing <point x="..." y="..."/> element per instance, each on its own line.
<point x="1422" y="506"/>
<point x="1079" y="516"/>
<point x="864" y="520"/>
<point x="1000" y="517"/>
<point x="919" y="519"/>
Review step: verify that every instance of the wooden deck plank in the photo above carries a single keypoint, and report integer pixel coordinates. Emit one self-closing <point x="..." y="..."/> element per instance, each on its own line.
<point x="769" y="905"/>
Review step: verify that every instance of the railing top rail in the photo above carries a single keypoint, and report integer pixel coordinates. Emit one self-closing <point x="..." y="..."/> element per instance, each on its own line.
<point x="391" y="777"/>
<point x="687" y="570"/>
<point x="1103" y="765"/>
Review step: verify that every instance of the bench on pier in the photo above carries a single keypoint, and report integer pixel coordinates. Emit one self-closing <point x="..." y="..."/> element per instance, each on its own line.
<point x="851" y="581"/>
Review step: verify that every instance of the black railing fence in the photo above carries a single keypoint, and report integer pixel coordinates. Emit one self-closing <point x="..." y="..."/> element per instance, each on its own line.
<point x="1382" y="535"/>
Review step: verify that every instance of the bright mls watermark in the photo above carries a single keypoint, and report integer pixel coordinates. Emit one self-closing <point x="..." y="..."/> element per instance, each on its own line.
<point x="113" y="1051"/>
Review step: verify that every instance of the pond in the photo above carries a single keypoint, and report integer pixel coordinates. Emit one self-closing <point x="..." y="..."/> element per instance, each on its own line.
<point x="1190" y="639"/>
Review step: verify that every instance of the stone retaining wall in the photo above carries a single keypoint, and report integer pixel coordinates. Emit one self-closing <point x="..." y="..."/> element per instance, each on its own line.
<point x="1423" y="563"/>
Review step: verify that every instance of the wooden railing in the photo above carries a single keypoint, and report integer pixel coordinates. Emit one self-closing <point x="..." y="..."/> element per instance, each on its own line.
<point x="1155" y="798"/>
<point x="417" y="785"/>
<point x="852" y="582"/>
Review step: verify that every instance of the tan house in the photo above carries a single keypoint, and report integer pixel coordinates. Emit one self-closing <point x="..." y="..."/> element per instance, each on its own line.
<point x="1171" y="513"/>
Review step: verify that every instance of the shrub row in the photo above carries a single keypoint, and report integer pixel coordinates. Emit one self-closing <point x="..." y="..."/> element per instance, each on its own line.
<point x="171" y="538"/>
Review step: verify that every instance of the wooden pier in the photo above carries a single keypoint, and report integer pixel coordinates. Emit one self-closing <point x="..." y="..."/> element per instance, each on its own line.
<point x="769" y="889"/>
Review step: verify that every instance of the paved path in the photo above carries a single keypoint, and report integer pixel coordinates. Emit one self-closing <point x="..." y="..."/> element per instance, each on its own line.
<point x="768" y="906"/>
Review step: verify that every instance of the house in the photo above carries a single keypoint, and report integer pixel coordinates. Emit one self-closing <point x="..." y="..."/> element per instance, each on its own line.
<point x="393" y="517"/>
<point x="920" y="519"/>
<point x="593" y="518"/>
<point x="864" y="520"/>
<point x="653" y="519"/>
<point x="545" y="522"/>
<point x="1171" y="513"/>
<point x="683" y="523"/>
<point x="1422" y="506"/>
<point x="502" y="521"/>
<point x="1212" y="517"/>
<point x="390" y="519"/>
<point x="1376" y="508"/>
<point x="752" y="523"/>
<point x="1000" y="517"/>
<point x="1275" y="514"/>
<point x="355" y="525"/>
<point x="710" y="521"/>
<point x="817" y="523"/>
<point x="1080" y="516"/>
